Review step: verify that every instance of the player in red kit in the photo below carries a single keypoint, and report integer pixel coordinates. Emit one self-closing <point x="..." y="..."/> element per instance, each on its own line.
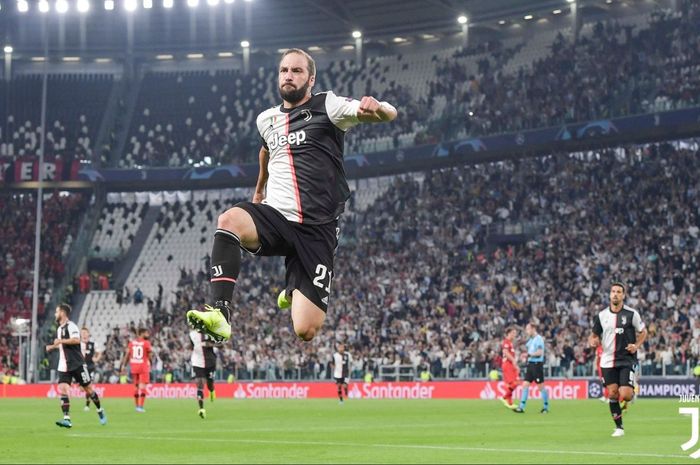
<point x="138" y="352"/>
<point x="510" y="368"/>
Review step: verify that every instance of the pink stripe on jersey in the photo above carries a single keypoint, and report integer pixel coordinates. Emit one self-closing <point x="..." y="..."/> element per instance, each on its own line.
<point x="294" y="173"/>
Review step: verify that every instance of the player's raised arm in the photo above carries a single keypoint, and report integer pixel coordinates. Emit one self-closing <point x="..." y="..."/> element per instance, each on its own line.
<point x="264" y="158"/>
<point x="373" y="111"/>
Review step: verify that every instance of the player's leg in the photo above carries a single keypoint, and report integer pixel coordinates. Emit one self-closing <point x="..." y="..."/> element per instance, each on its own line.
<point x="200" y="396"/>
<point x="142" y="391"/>
<point x="339" y="387"/>
<point x="235" y="228"/>
<point x="529" y="378"/>
<point x="210" y="385"/>
<point x="307" y="317"/>
<point x="92" y="394"/>
<point x="87" y="402"/>
<point x="612" y="382"/>
<point x="345" y="388"/>
<point x="545" y="398"/>
<point x="64" y="391"/>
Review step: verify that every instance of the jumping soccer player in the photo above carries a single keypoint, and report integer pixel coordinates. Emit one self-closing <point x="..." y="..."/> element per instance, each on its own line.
<point x="71" y="365"/>
<point x="87" y="348"/>
<point x="509" y="365"/>
<point x="535" y="368"/>
<point x="138" y="352"/>
<point x="203" y="364"/>
<point x="341" y="370"/>
<point x="621" y="331"/>
<point x="300" y="194"/>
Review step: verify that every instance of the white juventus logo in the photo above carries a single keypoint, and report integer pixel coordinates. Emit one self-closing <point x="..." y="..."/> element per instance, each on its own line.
<point x="307" y="114"/>
<point x="694" y="429"/>
<point x="217" y="271"/>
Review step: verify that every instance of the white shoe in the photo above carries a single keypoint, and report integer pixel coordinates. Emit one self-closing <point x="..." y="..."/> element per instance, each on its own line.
<point x="618" y="433"/>
<point x="605" y="400"/>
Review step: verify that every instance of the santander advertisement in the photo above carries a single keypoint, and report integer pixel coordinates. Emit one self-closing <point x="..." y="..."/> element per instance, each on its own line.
<point x="486" y="390"/>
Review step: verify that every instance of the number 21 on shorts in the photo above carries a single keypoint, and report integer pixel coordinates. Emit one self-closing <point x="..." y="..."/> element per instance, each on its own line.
<point x="321" y="273"/>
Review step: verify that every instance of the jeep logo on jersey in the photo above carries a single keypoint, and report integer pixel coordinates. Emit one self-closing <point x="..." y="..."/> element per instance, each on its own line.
<point x="295" y="138"/>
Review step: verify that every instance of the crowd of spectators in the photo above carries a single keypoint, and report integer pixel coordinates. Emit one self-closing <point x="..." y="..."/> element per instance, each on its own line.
<point x="615" y="70"/>
<point x="61" y="216"/>
<point x="424" y="278"/>
<point x="75" y="106"/>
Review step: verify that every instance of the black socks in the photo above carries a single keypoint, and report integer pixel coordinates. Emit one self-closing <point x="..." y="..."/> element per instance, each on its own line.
<point x="616" y="412"/>
<point x="225" y="265"/>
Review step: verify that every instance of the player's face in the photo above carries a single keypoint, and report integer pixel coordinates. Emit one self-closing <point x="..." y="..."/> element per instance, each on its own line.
<point x="341" y="348"/>
<point x="530" y="330"/>
<point x="511" y="334"/>
<point x="58" y="315"/>
<point x="617" y="295"/>
<point x="294" y="79"/>
<point x="84" y="335"/>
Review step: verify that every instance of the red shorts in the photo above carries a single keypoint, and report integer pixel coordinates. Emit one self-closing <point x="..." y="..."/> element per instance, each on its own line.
<point x="141" y="374"/>
<point x="510" y="373"/>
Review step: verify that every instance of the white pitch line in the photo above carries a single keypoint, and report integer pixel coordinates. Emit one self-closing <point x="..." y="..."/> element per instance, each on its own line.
<point x="391" y="446"/>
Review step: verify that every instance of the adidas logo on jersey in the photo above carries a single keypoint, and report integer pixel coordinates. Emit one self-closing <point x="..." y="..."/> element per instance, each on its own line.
<point x="295" y="138"/>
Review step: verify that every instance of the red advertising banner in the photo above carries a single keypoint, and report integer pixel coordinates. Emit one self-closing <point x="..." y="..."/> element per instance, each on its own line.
<point x="558" y="390"/>
<point x="25" y="169"/>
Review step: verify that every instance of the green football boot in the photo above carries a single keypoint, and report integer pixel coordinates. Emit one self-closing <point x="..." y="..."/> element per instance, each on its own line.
<point x="212" y="321"/>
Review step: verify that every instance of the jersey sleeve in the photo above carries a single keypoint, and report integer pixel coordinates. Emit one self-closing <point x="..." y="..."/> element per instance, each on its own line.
<point x="73" y="331"/>
<point x="597" y="327"/>
<point x="638" y="323"/>
<point x="539" y="344"/>
<point x="342" y="111"/>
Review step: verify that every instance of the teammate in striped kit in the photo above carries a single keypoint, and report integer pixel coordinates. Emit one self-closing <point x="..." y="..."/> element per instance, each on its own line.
<point x="621" y="331"/>
<point x="87" y="348"/>
<point x="203" y="365"/>
<point x="299" y="197"/>
<point x="71" y="365"/>
<point x="341" y="370"/>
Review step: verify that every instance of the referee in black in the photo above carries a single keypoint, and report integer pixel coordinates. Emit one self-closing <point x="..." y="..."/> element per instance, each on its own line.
<point x="621" y="332"/>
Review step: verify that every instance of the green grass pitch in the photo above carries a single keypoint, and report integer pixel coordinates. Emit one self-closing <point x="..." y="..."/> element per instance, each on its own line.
<point x="362" y="431"/>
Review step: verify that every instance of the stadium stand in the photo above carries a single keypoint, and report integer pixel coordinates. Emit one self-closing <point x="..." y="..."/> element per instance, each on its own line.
<point x="422" y="279"/>
<point x="75" y="103"/>
<point x="638" y="64"/>
<point x="62" y="214"/>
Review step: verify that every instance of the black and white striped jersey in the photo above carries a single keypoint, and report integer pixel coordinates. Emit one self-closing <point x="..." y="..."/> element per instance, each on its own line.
<point x="341" y="365"/>
<point x="306" y="181"/>
<point x="616" y="331"/>
<point x="202" y="356"/>
<point x="88" y="350"/>
<point x="70" y="357"/>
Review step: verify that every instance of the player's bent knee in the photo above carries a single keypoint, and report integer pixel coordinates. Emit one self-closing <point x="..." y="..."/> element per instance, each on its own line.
<point x="306" y="332"/>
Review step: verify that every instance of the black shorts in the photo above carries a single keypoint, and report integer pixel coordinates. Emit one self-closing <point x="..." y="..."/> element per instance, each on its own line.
<point x="207" y="373"/>
<point x="309" y="250"/>
<point x="534" y="372"/>
<point x="341" y="380"/>
<point x="80" y="375"/>
<point x="622" y="376"/>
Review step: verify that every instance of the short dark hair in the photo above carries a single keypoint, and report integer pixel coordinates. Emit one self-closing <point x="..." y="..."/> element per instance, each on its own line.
<point x="65" y="308"/>
<point x="310" y="63"/>
<point x="619" y="284"/>
<point x="511" y="328"/>
<point x="141" y="331"/>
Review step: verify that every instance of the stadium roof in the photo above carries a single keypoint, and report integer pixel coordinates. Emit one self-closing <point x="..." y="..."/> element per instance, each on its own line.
<point x="265" y="23"/>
